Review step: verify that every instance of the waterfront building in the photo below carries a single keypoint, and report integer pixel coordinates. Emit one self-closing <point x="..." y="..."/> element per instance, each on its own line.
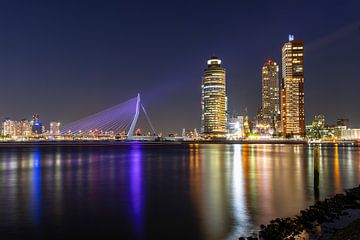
<point x="343" y="122"/>
<point x="25" y="128"/>
<point x="9" y="128"/>
<point x="292" y="87"/>
<point x="260" y="125"/>
<point x="37" y="127"/>
<point x="54" y="128"/>
<point x="214" y="99"/>
<point x="277" y="123"/>
<point x="350" y="134"/>
<point x="247" y="129"/>
<point x="270" y="93"/>
<point x="319" y="121"/>
<point x="236" y="127"/>
<point x="316" y="129"/>
<point x="259" y="116"/>
<point x="12" y="128"/>
<point x="189" y="134"/>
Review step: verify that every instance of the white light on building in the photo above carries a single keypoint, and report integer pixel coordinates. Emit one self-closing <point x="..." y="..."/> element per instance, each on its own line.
<point x="54" y="128"/>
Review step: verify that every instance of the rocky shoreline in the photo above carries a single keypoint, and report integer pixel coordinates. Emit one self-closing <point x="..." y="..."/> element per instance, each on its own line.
<point x="320" y="221"/>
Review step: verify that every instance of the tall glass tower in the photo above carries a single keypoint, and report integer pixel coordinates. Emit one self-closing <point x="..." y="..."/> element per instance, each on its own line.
<point x="214" y="100"/>
<point x="292" y="87"/>
<point x="270" y="91"/>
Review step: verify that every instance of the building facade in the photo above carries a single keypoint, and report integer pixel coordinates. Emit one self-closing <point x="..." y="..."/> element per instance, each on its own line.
<point x="54" y="128"/>
<point x="350" y="134"/>
<point x="13" y="128"/>
<point x="236" y="127"/>
<point x="214" y="99"/>
<point x="270" y="92"/>
<point x="37" y="127"/>
<point x="345" y="122"/>
<point x="292" y="88"/>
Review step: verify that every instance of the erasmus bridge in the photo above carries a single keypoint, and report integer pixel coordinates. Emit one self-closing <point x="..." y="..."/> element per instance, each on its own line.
<point x="119" y="119"/>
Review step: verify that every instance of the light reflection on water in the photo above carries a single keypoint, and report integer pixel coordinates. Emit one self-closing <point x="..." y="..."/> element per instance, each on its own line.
<point x="140" y="191"/>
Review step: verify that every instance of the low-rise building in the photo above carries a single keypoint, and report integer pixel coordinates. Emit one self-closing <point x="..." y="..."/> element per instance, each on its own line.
<point x="54" y="128"/>
<point x="12" y="128"/>
<point x="350" y="134"/>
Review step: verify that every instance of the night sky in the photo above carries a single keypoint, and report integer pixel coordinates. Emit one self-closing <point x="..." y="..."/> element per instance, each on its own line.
<point x="67" y="59"/>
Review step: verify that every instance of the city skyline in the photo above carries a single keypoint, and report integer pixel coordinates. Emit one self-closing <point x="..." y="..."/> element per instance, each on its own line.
<point x="60" y="62"/>
<point x="179" y="119"/>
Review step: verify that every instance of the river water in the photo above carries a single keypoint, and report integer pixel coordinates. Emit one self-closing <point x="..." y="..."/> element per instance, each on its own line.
<point x="167" y="191"/>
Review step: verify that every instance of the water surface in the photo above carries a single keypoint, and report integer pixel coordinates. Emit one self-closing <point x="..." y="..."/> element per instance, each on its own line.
<point x="135" y="191"/>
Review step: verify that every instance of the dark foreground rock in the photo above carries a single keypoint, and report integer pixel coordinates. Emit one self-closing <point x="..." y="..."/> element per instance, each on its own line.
<point x="350" y="232"/>
<point x="316" y="222"/>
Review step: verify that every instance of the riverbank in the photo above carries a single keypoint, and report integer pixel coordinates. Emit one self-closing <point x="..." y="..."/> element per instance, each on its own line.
<point x="320" y="221"/>
<point x="110" y="142"/>
<point x="352" y="231"/>
<point x="98" y="143"/>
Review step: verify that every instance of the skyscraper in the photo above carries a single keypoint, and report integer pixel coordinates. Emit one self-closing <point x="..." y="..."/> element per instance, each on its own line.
<point x="213" y="99"/>
<point x="292" y="87"/>
<point x="270" y="92"/>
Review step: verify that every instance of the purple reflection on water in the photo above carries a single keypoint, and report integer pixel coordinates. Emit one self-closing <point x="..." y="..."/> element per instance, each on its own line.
<point x="36" y="189"/>
<point x="136" y="190"/>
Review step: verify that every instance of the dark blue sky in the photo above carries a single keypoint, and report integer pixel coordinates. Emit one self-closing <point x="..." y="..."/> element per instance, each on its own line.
<point x="66" y="59"/>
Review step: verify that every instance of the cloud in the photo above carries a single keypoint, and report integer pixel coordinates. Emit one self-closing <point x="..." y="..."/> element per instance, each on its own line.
<point x="334" y="36"/>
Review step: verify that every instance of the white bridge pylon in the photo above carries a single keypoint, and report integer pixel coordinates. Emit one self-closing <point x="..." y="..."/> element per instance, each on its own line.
<point x="118" y="119"/>
<point x="130" y="134"/>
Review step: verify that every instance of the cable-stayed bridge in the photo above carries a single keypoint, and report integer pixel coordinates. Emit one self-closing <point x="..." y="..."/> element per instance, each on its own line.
<point x="119" y="119"/>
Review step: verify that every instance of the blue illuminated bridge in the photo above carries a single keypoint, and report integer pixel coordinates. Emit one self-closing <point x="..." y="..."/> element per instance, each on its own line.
<point x="119" y="119"/>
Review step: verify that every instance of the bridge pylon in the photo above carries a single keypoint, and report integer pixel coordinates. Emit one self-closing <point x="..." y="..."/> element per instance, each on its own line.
<point x="136" y="116"/>
<point x="130" y="134"/>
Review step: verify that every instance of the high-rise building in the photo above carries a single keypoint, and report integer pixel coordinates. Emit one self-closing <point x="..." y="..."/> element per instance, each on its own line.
<point x="214" y="100"/>
<point x="270" y="92"/>
<point x="292" y="87"/>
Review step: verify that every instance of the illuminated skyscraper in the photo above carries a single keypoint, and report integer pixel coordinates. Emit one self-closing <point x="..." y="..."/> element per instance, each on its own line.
<point x="214" y="100"/>
<point x="292" y="87"/>
<point x="270" y="92"/>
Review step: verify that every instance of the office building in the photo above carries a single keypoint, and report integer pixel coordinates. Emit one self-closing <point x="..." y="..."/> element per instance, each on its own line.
<point x="292" y="87"/>
<point x="214" y="99"/>
<point x="270" y="93"/>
